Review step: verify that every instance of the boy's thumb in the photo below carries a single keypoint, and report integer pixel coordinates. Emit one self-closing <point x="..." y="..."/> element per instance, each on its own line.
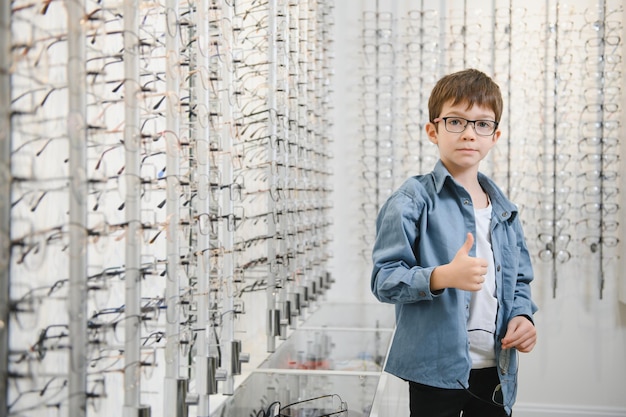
<point x="469" y="242"/>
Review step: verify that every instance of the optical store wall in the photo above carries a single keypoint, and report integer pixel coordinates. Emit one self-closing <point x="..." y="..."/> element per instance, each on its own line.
<point x="188" y="192"/>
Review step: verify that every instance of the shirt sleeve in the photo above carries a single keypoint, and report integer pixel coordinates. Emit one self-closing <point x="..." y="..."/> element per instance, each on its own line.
<point x="396" y="276"/>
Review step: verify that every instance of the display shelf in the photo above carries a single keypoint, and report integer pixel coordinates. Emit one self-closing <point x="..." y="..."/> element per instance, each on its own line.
<point x="325" y="349"/>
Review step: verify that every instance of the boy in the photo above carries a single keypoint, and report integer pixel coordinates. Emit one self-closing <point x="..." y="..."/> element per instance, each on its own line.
<point x="450" y="254"/>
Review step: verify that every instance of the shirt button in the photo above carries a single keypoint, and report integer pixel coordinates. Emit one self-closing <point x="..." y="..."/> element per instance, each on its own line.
<point x="466" y="202"/>
<point x="422" y="294"/>
<point x="505" y="213"/>
<point x="498" y="268"/>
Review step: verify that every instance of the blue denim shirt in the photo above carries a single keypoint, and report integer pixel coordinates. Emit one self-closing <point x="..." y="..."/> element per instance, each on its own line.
<point x="421" y="226"/>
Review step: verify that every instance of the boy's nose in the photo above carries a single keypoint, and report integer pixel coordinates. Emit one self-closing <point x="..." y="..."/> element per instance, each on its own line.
<point x="469" y="133"/>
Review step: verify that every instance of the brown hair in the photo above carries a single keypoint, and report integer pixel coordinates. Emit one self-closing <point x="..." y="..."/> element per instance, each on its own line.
<point x="468" y="86"/>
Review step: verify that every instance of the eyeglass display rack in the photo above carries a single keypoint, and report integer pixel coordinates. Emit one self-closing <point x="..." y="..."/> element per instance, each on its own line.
<point x="164" y="165"/>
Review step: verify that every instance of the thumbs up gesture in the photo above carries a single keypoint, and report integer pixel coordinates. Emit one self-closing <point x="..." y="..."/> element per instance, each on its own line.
<point x="465" y="272"/>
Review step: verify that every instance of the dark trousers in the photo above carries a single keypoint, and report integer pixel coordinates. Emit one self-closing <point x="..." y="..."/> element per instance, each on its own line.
<point x="427" y="401"/>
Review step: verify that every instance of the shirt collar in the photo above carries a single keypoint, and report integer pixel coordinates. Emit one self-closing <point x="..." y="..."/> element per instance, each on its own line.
<point x="441" y="174"/>
<point x="502" y="207"/>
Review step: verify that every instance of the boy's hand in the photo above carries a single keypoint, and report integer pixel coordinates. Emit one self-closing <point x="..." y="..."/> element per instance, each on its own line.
<point x="464" y="272"/>
<point x="520" y="334"/>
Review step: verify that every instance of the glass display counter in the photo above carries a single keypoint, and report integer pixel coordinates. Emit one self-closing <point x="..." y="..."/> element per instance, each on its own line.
<point x="304" y="393"/>
<point x="332" y="364"/>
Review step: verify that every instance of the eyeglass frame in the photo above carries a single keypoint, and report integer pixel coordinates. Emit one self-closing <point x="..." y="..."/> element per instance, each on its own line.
<point x="467" y="122"/>
<point x="496" y="390"/>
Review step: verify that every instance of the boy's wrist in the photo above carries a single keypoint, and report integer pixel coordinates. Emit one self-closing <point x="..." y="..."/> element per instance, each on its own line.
<point x="437" y="278"/>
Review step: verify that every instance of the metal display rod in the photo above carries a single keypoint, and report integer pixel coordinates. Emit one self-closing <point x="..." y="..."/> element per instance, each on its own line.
<point x="132" y="144"/>
<point x="77" y="134"/>
<point x="173" y="180"/>
<point x="5" y="193"/>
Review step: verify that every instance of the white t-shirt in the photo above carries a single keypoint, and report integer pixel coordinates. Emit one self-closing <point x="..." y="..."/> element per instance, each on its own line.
<point x="481" y="325"/>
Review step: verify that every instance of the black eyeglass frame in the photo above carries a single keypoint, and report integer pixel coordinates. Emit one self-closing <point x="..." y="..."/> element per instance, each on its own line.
<point x="467" y="122"/>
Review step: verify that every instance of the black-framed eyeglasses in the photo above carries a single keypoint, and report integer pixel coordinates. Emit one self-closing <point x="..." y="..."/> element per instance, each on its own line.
<point x="330" y="405"/>
<point x="496" y="397"/>
<point x="459" y="124"/>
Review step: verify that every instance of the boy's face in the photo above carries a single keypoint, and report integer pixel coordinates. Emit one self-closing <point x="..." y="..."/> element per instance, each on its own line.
<point x="462" y="151"/>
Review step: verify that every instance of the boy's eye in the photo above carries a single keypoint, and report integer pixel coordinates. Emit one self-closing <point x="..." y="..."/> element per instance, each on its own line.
<point x="455" y="122"/>
<point x="483" y="123"/>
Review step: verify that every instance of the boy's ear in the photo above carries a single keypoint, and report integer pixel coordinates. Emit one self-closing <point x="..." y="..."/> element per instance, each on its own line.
<point x="431" y="131"/>
<point x="496" y="135"/>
